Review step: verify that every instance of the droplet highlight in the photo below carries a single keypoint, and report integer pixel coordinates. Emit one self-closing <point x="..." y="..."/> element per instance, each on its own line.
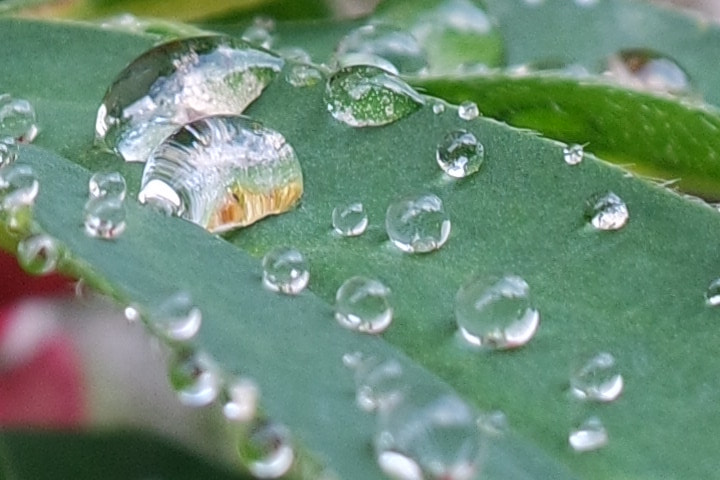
<point x="104" y="218"/>
<point x="712" y="294"/>
<point x="17" y="119"/>
<point x="460" y="154"/>
<point x="468" y="110"/>
<point x="590" y="435"/>
<point x="285" y="270"/>
<point x="363" y="304"/>
<point x="350" y="220"/>
<point x="573" y="154"/>
<point x="177" y="317"/>
<point x="267" y="452"/>
<point x="418" y="224"/>
<point x="597" y="380"/>
<point x="195" y="378"/>
<point x="607" y="211"/>
<point x="38" y="254"/>
<point x="8" y="151"/>
<point x="107" y="184"/>
<point x="241" y="399"/>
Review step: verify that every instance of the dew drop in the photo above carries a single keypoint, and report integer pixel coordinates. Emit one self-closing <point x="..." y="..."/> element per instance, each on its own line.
<point x="107" y="184"/>
<point x="438" y="108"/>
<point x="647" y="70"/>
<point x="590" y="435"/>
<point x="296" y="54"/>
<point x="460" y="154"/>
<point x="438" y="439"/>
<point x="177" y="317"/>
<point x="303" y="76"/>
<point x="573" y="154"/>
<point x="38" y="254"/>
<point x="285" y="270"/>
<point x="496" y="313"/>
<point x="379" y="383"/>
<point x="597" y="380"/>
<point x="258" y="36"/>
<point x="366" y="96"/>
<point x="712" y="294"/>
<point x="8" y="151"/>
<point x="362" y="304"/>
<point x="468" y="110"/>
<point x="350" y="220"/>
<point x="195" y="378"/>
<point x="606" y="211"/>
<point x="18" y="186"/>
<point x="418" y="224"/>
<point x="241" y="399"/>
<point x="267" y="452"/>
<point x="176" y="83"/>
<point x="223" y="172"/>
<point x="104" y="218"/>
<point x="17" y="119"/>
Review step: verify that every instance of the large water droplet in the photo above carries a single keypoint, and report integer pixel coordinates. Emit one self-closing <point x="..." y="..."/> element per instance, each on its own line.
<point x="363" y="304"/>
<point x="573" y="154"/>
<point x="712" y="294"/>
<point x="496" y="313"/>
<point x="365" y="96"/>
<point x="223" y="172"/>
<point x="648" y="70"/>
<point x="267" y="452"/>
<point x="607" y="211"/>
<point x="241" y="399"/>
<point x="382" y="43"/>
<point x="437" y="440"/>
<point x="17" y="119"/>
<point x="598" y="379"/>
<point x="468" y="110"/>
<point x="8" y="151"/>
<point x="418" y="224"/>
<point x="303" y="76"/>
<point x="176" y="83"/>
<point x="460" y="154"/>
<point x="18" y="186"/>
<point x="107" y="184"/>
<point x="104" y="218"/>
<point x="195" y="378"/>
<point x="285" y="270"/>
<point x="38" y="254"/>
<point x="350" y="220"/>
<point x="590" y="435"/>
<point x="177" y="317"/>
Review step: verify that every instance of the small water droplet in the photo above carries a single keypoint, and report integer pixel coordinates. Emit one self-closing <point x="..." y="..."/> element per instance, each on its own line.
<point x="18" y="186"/>
<point x="607" y="211"/>
<point x="241" y="399"/>
<point x="460" y="154"/>
<point x="647" y="70"/>
<point x="107" y="184"/>
<point x="468" y="110"/>
<point x="366" y="96"/>
<point x="132" y="313"/>
<point x="438" y="439"/>
<point x="285" y="270"/>
<point x="258" y="36"/>
<point x="296" y="54"/>
<point x="38" y="254"/>
<point x="195" y="378"/>
<point x="573" y="154"/>
<point x="378" y="383"/>
<point x="496" y="313"/>
<point x="177" y="317"/>
<point x="350" y="220"/>
<point x="590" y="435"/>
<point x="303" y="76"/>
<point x="104" y="218"/>
<point x="17" y="119"/>
<point x="418" y="224"/>
<point x="494" y="423"/>
<point x="176" y="83"/>
<point x="362" y="304"/>
<point x="223" y="172"/>
<point x="712" y="294"/>
<point x="267" y="452"/>
<point x="8" y="151"/>
<point x="598" y="379"/>
<point x="438" y="108"/>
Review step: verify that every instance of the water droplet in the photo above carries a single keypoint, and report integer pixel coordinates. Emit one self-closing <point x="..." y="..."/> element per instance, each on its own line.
<point x="365" y="96"/>
<point x="379" y="383"/>
<point x="590" y="435"/>
<point x="285" y="270"/>
<point x="496" y="313"/>
<point x="38" y="254"/>
<point x="18" y="186"/>
<point x="258" y="35"/>
<point x="267" y="452"/>
<point x="573" y="154"/>
<point x="607" y="211"/>
<point x="223" y="172"/>
<point x="362" y="304"/>
<point x="493" y="423"/>
<point x="104" y="218"/>
<point x="303" y="76"/>
<point x="418" y="224"/>
<point x="350" y="220"/>
<point x="438" y="439"/>
<point x="438" y="108"/>
<point x="177" y="317"/>
<point x="712" y="295"/>
<point x="132" y="313"/>
<point x="382" y="43"/>
<point x="8" y="151"/>
<point x="176" y="83"/>
<point x="17" y="119"/>
<point x="598" y="379"/>
<point x="107" y="184"/>
<point x="647" y="70"/>
<point x="195" y="378"/>
<point x="296" y="54"/>
<point x="241" y="398"/>
<point x="468" y="110"/>
<point x="460" y="154"/>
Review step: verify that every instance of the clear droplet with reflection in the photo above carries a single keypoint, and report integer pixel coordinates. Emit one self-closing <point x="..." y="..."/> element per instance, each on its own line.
<point x="38" y="254"/>
<point x="268" y="451"/>
<point x="258" y="36"/>
<point x="590" y="435"/>
<point x="438" y="108"/>
<point x="240" y="400"/>
<point x="648" y="70"/>
<point x="285" y="270"/>
<point x="366" y="96"/>
<point x="195" y="378"/>
<point x="607" y="211"/>
<point x="223" y="172"/>
<point x="418" y="223"/>
<point x="468" y="110"/>
<point x="107" y="184"/>
<point x="496" y="313"/>
<point x="8" y="151"/>
<point x="17" y="119"/>
<point x="598" y="379"/>
<point x="350" y="220"/>
<point x="105" y="218"/>
<point x="379" y="383"/>
<point x="18" y="186"/>
<point x="573" y="154"/>
<point x="303" y="76"/>
<point x="177" y="317"/>
<point x="436" y="439"/>
<point x="177" y="83"/>
<point x="460" y="154"/>
<point x="712" y="294"/>
<point x="363" y="304"/>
